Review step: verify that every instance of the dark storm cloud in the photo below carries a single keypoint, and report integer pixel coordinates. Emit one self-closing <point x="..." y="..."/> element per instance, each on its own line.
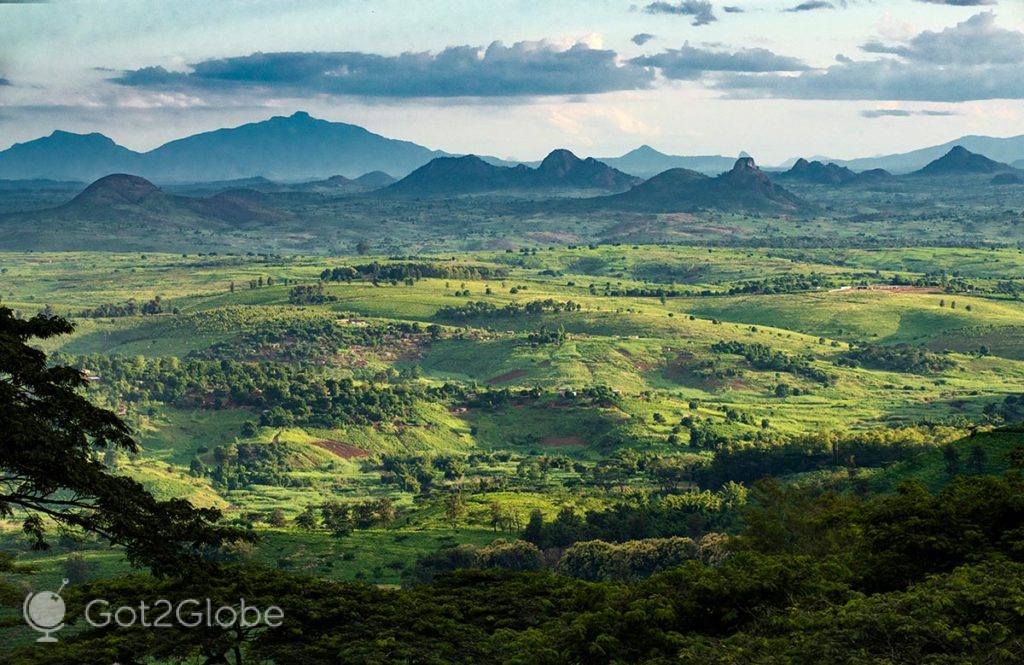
<point x="810" y="6"/>
<point x="700" y="10"/>
<point x="961" y="3"/>
<point x="522" y="69"/>
<point x="688" y="62"/>
<point x="642" y="38"/>
<point x="973" y="60"/>
<point x="900" y="113"/>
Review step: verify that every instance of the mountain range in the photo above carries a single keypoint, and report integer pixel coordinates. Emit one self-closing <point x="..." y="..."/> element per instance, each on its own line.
<point x="560" y="170"/>
<point x="302" y="148"/>
<point x="743" y="188"/>
<point x="645" y="162"/>
<point x="1009" y="150"/>
<point x="961" y="161"/>
<point x="297" y="147"/>
<point x="831" y="174"/>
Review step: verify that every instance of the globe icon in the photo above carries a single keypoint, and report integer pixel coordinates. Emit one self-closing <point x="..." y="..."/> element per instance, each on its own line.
<point x="44" y="611"/>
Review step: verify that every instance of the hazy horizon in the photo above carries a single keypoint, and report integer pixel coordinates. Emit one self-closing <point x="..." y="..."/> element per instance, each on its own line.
<point x="775" y="78"/>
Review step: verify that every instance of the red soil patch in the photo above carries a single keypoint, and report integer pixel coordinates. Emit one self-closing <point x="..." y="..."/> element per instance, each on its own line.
<point x="562" y="441"/>
<point x="343" y="450"/>
<point x="507" y="376"/>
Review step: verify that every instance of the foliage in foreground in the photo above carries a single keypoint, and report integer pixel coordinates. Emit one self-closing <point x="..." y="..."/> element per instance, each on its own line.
<point x="50" y="466"/>
<point x="908" y="577"/>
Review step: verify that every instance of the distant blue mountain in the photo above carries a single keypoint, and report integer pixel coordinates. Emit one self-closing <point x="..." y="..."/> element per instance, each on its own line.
<point x="297" y="147"/>
<point x="645" y="162"/>
<point x="66" y="156"/>
<point x="1009" y="150"/>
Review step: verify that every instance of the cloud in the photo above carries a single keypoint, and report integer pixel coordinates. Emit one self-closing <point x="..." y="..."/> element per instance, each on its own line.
<point x="733" y="9"/>
<point x="961" y="3"/>
<point x="972" y="60"/>
<point x="810" y="6"/>
<point x="976" y="41"/>
<point x="689" y="63"/>
<point x="901" y="113"/>
<point x="700" y="10"/>
<point x="641" y="38"/>
<point x="522" y="69"/>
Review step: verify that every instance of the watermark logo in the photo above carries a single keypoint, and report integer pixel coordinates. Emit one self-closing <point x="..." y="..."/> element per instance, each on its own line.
<point x="44" y="612"/>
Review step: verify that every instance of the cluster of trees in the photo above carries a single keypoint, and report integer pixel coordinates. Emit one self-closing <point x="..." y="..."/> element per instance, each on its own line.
<point x="748" y="461"/>
<point x="949" y="283"/>
<point x="896" y="358"/>
<point x="1011" y="287"/>
<point x="309" y="294"/>
<point x="765" y="358"/>
<point x="312" y="339"/>
<point x="238" y="465"/>
<point x="417" y="473"/>
<point x="1011" y="409"/>
<point x="517" y="555"/>
<point x="688" y="514"/>
<point x="284" y="394"/>
<point x="130" y="308"/>
<point x="545" y="335"/>
<point x="593" y="560"/>
<point x="634" y="560"/>
<point x="637" y="292"/>
<point x="342" y="518"/>
<point x="388" y="272"/>
<point x="485" y="309"/>
<point x="788" y="283"/>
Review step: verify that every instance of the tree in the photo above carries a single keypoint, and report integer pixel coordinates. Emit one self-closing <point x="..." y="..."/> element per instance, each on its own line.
<point x="337" y="518"/>
<point x="276" y="518"/>
<point x="307" y="519"/>
<point x="77" y="569"/>
<point x="976" y="462"/>
<point x="454" y="508"/>
<point x="49" y="467"/>
<point x="952" y="459"/>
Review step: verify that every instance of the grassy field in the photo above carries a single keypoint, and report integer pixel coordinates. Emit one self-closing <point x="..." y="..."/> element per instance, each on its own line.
<point x="647" y="324"/>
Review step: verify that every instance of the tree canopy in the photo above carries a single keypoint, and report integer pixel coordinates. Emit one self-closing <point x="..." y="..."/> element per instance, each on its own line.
<point x="50" y="463"/>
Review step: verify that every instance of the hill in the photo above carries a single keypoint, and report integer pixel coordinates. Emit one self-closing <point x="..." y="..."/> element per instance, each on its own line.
<point x="646" y="162"/>
<point x="284" y="148"/>
<point x="67" y="156"/>
<point x="296" y="147"/>
<point x="830" y="174"/>
<point x="238" y="207"/>
<point x="960" y="161"/>
<point x="339" y="184"/>
<point x="457" y="175"/>
<point x="119" y="189"/>
<point x="1008" y="179"/>
<point x="743" y="188"/>
<point x="129" y="211"/>
<point x="560" y="170"/>
<point x="1009" y="150"/>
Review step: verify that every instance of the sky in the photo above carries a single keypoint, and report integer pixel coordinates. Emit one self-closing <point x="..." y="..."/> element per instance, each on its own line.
<point x="517" y="78"/>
